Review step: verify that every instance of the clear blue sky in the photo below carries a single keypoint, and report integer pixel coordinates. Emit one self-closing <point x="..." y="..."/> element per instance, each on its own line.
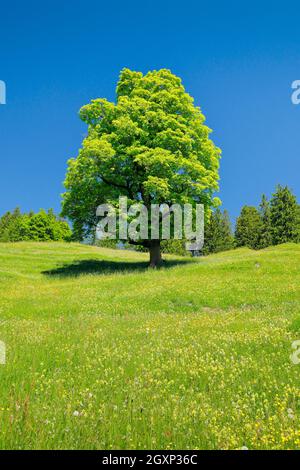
<point x="238" y="62"/>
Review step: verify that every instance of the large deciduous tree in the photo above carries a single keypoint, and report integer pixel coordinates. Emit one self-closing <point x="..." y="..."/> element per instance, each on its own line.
<point x="152" y="146"/>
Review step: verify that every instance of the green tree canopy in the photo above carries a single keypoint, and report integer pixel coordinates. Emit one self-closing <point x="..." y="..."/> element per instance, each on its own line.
<point x="152" y="146"/>
<point x="42" y="226"/>
<point x="10" y="226"/>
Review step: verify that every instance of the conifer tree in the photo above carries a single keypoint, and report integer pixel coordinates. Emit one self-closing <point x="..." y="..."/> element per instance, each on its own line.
<point x="218" y="235"/>
<point x="266" y="228"/>
<point x="284" y="214"/>
<point x="248" y="228"/>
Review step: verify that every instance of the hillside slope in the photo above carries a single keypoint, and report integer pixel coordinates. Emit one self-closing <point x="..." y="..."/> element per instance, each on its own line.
<point x="104" y="353"/>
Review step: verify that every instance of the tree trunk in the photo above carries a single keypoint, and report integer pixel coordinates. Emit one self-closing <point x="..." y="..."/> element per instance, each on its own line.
<point x="155" y="254"/>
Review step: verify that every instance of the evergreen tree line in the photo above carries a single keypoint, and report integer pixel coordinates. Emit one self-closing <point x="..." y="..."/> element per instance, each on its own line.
<point x="275" y="221"/>
<point x="40" y="226"/>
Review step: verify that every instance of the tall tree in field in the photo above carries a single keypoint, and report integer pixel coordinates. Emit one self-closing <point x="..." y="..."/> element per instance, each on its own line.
<point x="248" y="228"/>
<point x="151" y="145"/>
<point x="284" y="216"/>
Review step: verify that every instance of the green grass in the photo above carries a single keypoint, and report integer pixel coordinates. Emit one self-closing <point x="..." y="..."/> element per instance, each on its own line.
<point x="104" y="353"/>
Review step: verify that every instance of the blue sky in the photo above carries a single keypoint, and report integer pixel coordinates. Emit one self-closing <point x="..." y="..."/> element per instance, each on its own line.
<point x="237" y="61"/>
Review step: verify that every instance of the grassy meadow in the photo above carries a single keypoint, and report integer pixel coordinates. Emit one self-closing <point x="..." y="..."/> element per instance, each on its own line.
<point x="103" y="353"/>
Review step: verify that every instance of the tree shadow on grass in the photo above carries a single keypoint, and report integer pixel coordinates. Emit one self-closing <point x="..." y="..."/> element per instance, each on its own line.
<point x="92" y="266"/>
